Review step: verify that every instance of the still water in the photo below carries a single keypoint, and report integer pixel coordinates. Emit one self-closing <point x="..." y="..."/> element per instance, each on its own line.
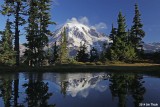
<point x="79" y="90"/>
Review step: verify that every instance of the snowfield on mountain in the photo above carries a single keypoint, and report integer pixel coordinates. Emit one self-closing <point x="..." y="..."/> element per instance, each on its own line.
<point x="78" y="33"/>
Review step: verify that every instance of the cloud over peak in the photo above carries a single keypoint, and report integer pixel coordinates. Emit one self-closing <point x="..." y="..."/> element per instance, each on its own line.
<point x="84" y="20"/>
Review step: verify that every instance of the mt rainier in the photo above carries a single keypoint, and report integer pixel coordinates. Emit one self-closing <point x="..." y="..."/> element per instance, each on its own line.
<point x="78" y="33"/>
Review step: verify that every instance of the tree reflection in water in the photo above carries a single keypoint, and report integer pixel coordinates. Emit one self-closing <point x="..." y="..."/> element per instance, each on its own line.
<point x="37" y="93"/>
<point x="137" y="89"/>
<point x="123" y="85"/>
<point x="6" y="91"/>
<point x="16" y="89"/>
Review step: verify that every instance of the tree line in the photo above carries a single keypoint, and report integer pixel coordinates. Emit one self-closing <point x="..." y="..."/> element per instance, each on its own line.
<point x="35" y="14"/>
<point x="126" y="46"/>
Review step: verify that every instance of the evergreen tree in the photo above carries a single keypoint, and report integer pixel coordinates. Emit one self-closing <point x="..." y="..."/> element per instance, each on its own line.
<point x="16" y="8"/>
<point x="37" y="30"/>
<point x="113" y="33"/>
<point x="48" y="57"/>
<point x="32" y="33"/>
<point x="128" y="36"/>
<point x="7" y="54"/>
<point x="137" y="32"/>
<point x="44" y="19"/>
<point x="55" y="52"/>
<point x="63" y="52"/>
<point x="94" y="55"/>
<point x="103" y="55"/>
<point x="82" y="55"/>
<point x="119" y="44"/>
<point x="121" y="50"/>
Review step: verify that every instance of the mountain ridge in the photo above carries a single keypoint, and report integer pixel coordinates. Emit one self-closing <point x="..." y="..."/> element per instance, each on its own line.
<point x="78" y="33"/>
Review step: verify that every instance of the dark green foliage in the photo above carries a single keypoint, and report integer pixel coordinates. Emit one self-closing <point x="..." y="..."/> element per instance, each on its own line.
<point x="16" y="8"/>
<point x="48" y="57"/>
<point x="137" y="32"/>
<point x="37" y="94"/>
<point x="7" y="54"/>
<point x="55" y="52"/>
<point x="6" y="92"/>
<point x="125" y="85"/>
<point x="137" y="89"/>
<point x="64" y="85"/>
<point x="37" y="31"/>
<point x="152" y="57"/>
<point x="32" y="34"/>
<point x="82" y="55"/>
<point x="63" y="51"/>
<point x="121" y="50"/>
<point x="113" y="33"/>
<point x="103" y="55"/>
<point x="94" y="57"/>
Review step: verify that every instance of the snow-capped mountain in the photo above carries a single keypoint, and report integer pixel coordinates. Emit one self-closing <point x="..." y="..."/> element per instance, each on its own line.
<point x="78" y="33"/>
<point x="79" y="84"/>
<point x="151" y="47"/>
<point x="22" y="49"/>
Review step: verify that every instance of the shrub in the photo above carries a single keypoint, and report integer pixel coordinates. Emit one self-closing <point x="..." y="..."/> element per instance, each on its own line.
<point x="90" y="63"/>
<point x="99" y="63"/>
<point x="79" y="63"/>
<point x="72" y="61"/>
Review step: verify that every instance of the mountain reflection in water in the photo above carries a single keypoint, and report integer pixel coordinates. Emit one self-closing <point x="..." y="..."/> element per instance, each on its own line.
<point x="77" y="90"/>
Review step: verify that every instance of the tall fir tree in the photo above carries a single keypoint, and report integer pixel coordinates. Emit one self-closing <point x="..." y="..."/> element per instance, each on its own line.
<point x="7" y="54"/>
<point x="94" y="57"/>
<point x="103" y="54"/>
<point x="63" y="52"/>
<point x="55" y="52"/>
<point x="118" y="46"/>
<point x="44" y="19"/>
<point x="113" y="33"/>
<point x="121" y="50"/>
<point x="37" y="30"/>
<point x="137" y="32"/>
<point x="16" y="8"/>
<point x="82" y="55"/>
<point x="32" y="33"/>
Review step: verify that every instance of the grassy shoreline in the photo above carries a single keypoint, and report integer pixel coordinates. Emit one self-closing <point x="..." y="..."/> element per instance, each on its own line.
<point x="138" y="67"/>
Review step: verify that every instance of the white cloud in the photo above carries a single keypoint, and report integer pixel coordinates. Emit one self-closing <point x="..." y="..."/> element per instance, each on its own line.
<point x="84" y="20"/>
<point x="73" y="19"/>
<point x="100" y="26"/>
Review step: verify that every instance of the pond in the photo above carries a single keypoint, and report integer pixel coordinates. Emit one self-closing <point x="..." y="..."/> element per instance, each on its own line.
<point x="98" y="89"/>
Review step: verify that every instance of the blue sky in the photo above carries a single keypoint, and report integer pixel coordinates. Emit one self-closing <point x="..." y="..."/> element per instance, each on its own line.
<point x="102" y="13"/>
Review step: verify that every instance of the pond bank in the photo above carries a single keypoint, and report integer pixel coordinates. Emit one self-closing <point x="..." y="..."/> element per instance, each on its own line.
<point x="138" y="67"/>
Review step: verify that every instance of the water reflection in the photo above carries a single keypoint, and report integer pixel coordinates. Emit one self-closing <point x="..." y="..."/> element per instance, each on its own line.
<point x="37" y="92"/>
<point x="80" y="84"/>
<point x="72" y="89"/>
<point x="6" y="91"/>
<point x="123" y="85"/>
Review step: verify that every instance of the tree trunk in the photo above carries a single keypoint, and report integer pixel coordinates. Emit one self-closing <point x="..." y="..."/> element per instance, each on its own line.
<point x="16" y="86"/>
<point x="16" y="48"/>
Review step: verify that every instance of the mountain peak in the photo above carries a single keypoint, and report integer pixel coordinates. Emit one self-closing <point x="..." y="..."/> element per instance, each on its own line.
<point x="76" y="33"/>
